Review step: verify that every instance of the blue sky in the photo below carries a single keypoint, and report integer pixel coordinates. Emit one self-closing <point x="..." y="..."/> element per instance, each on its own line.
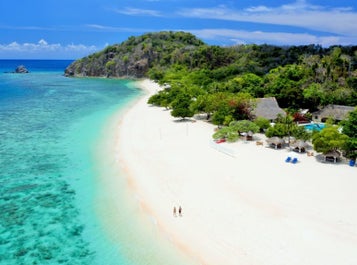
<point x="70" y="29"/>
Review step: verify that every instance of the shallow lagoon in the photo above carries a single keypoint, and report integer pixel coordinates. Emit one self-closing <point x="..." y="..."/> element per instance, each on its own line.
<point x="52" y="158"/>
<point x="46" y="122"/>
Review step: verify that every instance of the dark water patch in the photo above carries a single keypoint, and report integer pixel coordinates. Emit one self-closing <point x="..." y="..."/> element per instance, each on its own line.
<point x="22" y="188"/>
<point x="42" y="223"/>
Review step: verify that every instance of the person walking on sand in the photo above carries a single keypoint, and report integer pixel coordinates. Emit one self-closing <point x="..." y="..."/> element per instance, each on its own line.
<point x="174" y="212"/>
<point x="180" y="211"/>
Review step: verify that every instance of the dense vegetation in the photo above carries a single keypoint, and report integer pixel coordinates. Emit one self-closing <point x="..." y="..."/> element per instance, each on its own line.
<point x="298" y="76"/>
<point x="135" y="56"/>
<point x="222" y="82"/>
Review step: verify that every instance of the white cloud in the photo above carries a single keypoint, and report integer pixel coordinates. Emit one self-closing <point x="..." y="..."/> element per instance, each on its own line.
<point x="258" y="9"/>
<point x="12" y="46"/>
<point x="104" y="28"/>
<point x="98" y="27"/>
<point x="299" y="5"/>
<point x="42" y="42"/>
<point x="43" y="48"/>
<point x="136" y="11"/>
<point x="340" y="20"/>
<point x="277" y="38"/>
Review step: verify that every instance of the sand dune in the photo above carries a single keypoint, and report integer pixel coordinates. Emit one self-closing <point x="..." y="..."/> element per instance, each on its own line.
<point x="242" y="204"/>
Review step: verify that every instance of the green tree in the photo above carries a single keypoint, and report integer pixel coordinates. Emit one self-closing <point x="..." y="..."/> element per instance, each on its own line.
<point x="278" y="130"/>
<point x="160" y="99"/>
<point x="217" y="105"/>
<point x="262" y="123"/>
<point x="329" y="139"/>
<point x="226" y="107"/>
<point x="181" y="106"/>
<point x="286" y="84"/>
<point x="200" y="105"/>
<point x="110" y="67"/>
<point x="232" y="132"/>
<point x="313" y="96"/>
<point x="249" y="83"/>
<point x="288" y="123"/>
<point x="351" y="148"/>
<point x="226" y="133"/>
<point x="300" y="133"/>
<point x="244" y="126"/>
<point x="349" y="127"/>
<point x="222" y="116"/>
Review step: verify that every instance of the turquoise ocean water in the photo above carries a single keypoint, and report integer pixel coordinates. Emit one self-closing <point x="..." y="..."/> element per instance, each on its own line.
<point x="54" y="207"/>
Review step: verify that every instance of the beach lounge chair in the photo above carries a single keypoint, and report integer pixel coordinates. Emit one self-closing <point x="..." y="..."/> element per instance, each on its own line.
<point x="294" y="161"/>
<point x="288" y="159"/>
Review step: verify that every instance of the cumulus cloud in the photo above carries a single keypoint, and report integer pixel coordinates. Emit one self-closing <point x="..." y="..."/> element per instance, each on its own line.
<point x="42" y="47"/>
<point x="43" y="42"/>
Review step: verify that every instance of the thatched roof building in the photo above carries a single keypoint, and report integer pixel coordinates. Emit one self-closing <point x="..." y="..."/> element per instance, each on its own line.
<point x="275" y="142"/>
<point x="336" y="112"/>
<point x="332" y="156"/>
<point x="299" y="146"/>
<point x="268" y="108"/>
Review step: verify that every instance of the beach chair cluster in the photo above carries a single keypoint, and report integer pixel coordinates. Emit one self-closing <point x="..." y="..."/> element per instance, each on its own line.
<point x="291" y="160"/>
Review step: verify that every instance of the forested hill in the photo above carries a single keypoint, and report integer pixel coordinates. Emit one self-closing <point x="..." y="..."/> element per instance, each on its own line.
<point x="137" y="55"/>
<point x="298" y="76"/>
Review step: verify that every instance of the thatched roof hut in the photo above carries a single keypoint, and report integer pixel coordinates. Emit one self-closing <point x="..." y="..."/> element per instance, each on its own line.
<point x="332" y="156"/>
<point x="299" y="146"/>
<point x="275" y="142"/>
<point x="336" y="112"/>
<point x="268" y="108"/>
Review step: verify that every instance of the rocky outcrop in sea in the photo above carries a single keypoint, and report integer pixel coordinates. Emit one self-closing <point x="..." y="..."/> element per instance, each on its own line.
<point x="21" y="69"/>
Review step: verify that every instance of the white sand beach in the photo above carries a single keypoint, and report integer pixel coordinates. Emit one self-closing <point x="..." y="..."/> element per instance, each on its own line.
<point x="244" y="205"/>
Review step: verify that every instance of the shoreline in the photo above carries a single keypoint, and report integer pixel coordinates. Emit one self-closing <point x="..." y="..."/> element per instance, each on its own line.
<point x="125" y="221"/>
<point x="252" y="208"/>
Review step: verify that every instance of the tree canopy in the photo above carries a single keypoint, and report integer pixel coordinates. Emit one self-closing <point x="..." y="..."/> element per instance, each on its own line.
<point x="329" y="139"/>
<point x="349" y="127"/>
<point x="234" y="130"/>
<point x="307" y="76"/>
<point x="223" y="81"/>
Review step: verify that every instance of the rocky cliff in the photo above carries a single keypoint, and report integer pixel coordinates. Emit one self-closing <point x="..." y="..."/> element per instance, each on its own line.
<point x="134" y="57"/>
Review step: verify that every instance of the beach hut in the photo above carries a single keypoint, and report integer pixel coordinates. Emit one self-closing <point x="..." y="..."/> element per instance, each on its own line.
<point x="268" y="108"/>
<point x="276" y="142"/>
<point x="336" y="112"/>
<point x="299" y="146"/>
<point x="332" y="156"/>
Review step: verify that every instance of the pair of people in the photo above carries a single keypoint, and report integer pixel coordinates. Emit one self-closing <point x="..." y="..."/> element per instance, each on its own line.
<point x="179" y="211"/>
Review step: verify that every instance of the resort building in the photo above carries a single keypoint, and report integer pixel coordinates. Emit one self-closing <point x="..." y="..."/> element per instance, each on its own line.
<point x="336" y="112"/>
<point x="268" y="108"/>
